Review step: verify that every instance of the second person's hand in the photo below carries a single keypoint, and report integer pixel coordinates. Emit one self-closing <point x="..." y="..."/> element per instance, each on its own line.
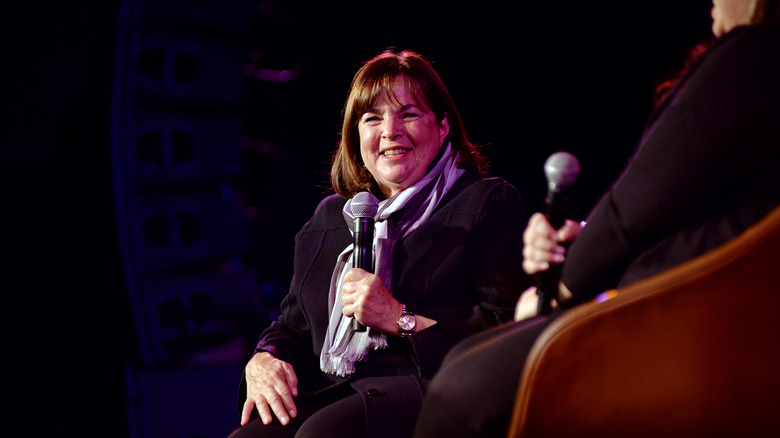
<point x="543" y="244"/>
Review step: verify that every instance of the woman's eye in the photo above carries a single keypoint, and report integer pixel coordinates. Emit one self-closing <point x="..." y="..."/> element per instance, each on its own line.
<point x="410" y="115"/>
<point x="369" y="119"/>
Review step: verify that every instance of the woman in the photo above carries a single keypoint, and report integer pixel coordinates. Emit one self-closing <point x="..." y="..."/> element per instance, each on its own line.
<point x="707" y="167"/>
<point x="442" y="268"/>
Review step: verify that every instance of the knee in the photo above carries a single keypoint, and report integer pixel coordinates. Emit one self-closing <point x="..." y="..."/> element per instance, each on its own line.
<point x="345" y="418"/>
<point x="445" y="409"/>
<point x="447" y="393"/>
<point x="253" y="428"/>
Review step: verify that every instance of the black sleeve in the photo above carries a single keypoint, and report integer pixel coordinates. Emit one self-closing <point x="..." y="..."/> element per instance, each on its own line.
<point x="304" y="310"/>
<point x="715" y="131"/>
<point x="495" y="256"/>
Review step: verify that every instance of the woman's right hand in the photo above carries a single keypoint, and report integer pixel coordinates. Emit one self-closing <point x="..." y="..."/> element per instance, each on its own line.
<point x="542" y="244"/>
<point x="271" y="385"/>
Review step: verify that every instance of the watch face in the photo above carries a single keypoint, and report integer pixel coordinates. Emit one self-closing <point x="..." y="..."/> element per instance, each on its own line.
<point x="407" y="322"/>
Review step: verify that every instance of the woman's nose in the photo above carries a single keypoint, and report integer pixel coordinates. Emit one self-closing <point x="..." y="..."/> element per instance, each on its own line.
<point x="391" y="128"/>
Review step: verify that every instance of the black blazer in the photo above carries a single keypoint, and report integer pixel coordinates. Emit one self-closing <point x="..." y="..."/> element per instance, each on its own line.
<point x="707" y="167"/>
<point x="460" y="268"/>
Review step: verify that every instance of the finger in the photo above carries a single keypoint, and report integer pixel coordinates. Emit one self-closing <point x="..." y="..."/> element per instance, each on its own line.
<point x="347" y="292"/>
<point x="535" y="255"/>
<point x="286" y="404"/>
<point x="531" y="267"/>
<point x="527" y="251"/>
<point x="350" y="292"/>
<point x="291" y="389"/>
<point x="280" y="396"/>
<point x="530" y="232"/>
<point x="538" y="229"/>
<point x="262" y="409"/>
<point x="348" y="311"/>
<point x="536" y="218"/>
<point x="556" y="256"/>
<point x="356" y="308"/>
<point x="246" y="412"/>
<point x="350" y="302"/>
<point x="568" y="231"/>
<point x="353" y="293"/>
<point x="546" y="244"/>
<point x="277" y="407"/>
<point x="292" y="378"/>
<point x="541" y="225"/>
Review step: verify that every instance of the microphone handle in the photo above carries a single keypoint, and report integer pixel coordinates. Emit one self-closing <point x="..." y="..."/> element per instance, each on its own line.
<point x="558" y="203"/>
<point x="547" y="288"/>
<point x="362" y="256"/>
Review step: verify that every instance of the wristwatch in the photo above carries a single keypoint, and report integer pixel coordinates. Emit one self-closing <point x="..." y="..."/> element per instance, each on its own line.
<point x="406" y="322"/>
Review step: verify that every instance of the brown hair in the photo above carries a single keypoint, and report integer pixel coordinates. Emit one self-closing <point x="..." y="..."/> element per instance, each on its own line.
<point x="375" y="78"/>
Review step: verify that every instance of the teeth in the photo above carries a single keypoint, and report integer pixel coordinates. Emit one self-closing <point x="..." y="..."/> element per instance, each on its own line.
<point x="394" y="152"/>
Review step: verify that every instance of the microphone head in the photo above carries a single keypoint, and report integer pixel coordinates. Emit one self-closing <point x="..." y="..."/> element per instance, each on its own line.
<point x="561" y="170"/>
<point x="364" y="204"/>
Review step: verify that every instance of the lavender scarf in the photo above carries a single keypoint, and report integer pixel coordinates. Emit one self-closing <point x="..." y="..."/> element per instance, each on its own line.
<point x="396" y="218"/>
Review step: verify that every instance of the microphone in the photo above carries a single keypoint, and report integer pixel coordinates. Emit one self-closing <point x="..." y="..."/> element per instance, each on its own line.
<point x="561" y="170"/>
<point x="364" y="207"/>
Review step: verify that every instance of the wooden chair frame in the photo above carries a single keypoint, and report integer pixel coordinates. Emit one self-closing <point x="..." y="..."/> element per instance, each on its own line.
<point x="693" y="352"/>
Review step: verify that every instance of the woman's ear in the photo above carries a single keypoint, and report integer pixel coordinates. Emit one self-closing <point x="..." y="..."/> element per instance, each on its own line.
<point x="444" y="128"/>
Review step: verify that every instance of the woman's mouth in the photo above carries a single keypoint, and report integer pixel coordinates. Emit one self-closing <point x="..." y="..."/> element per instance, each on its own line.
<point x="390" y="153"/>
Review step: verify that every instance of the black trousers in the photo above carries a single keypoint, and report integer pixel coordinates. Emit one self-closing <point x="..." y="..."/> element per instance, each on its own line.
<point x="339" y="412"/>
<point x="473" y="393"/>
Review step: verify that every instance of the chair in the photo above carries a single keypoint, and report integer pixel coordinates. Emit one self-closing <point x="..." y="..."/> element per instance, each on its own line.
<point x="690" y="352"/>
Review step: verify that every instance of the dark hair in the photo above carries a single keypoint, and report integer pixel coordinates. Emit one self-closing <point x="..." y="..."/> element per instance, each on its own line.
<point x="375" y="78"/>
<point x="663" y="89"/>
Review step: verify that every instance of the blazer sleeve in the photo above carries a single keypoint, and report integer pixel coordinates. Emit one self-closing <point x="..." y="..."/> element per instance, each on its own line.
<point x="494" y="275"/>
<point x="715" y="133"/>
<point x="296" y="335"/>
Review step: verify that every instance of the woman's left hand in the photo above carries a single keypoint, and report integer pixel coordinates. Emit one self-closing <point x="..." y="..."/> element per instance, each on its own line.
<point x="365" y="297"/>
<point x="527" y="304"/>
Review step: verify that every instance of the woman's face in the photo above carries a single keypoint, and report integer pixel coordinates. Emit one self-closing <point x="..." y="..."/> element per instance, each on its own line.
<point x="399" y="138"/>
<point x="728" y="14"/>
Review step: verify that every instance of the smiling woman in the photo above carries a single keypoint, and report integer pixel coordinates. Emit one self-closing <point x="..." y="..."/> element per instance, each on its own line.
<point x="390" y="88"/>
<point x="441" y="271"/>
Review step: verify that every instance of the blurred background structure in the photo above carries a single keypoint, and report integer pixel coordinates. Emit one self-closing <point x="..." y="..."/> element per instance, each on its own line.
<point x="159" y="157"/>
